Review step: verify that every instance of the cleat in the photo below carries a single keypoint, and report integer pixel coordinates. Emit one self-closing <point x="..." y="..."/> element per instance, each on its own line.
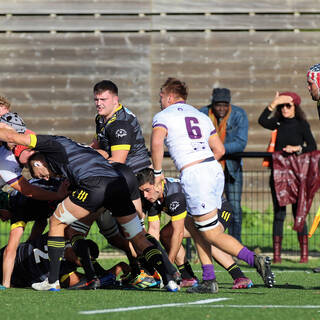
<point x="46" y="286"/>
<point x="242" y="283"/>
<point x="316" y="270"/>
<point x="263" y="267"/>
<point x="177" y="277"/>
<point x="206" y="286"/>
<point x="143" y="281"/>
<point x="2" y="287"/>
<point x="193" y="282"/>
<point x="107" y="281"/>
<point x="93" y="284"/>
<point x="172" y="286"/>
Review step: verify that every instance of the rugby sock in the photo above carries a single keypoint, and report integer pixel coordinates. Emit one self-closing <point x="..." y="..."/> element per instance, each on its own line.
<point x="168" y="265"/>
<point x="98" y="268"/>
<point x="235" y="272"/>
<point x="246" y="255"/>
<point x="186" y="271"/>
<point x="154" y="257"/>
<point x="55" y="253"/>
<point x="208" y="272"/>
<point x="82" y="250"/>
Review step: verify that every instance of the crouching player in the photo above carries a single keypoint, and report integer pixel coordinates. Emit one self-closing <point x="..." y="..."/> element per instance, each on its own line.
<point x="170" y="199"/>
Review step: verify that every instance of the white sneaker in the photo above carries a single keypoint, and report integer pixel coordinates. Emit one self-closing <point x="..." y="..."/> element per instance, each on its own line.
<point x="46" y="286"/>
<point x="172" y="286"/>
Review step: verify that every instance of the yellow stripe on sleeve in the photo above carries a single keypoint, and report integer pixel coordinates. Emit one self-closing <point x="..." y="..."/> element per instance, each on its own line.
<point x="126" y="147"/>
<point x="18" y="224"/>
<point x="33" y="141"/>
<point x="179" y="216"/>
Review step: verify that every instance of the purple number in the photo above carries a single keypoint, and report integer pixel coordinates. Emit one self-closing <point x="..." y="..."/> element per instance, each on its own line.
<point x="194" y="131"/>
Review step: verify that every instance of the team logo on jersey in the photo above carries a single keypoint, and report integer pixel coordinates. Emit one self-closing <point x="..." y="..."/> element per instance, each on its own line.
<point x="120" y="133"/>
<point x="174" y="205"/>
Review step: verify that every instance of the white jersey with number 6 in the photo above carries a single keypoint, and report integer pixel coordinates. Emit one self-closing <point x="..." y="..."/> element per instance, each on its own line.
<point x="188" y="133"/>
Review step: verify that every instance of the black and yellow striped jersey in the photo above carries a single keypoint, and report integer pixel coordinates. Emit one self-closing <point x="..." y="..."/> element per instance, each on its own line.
<point x="123" y="132"/>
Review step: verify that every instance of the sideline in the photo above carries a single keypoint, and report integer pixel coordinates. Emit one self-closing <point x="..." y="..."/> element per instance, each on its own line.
<point x="152" y="306"/>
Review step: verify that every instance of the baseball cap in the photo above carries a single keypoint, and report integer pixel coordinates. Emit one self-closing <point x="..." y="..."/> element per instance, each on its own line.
<point x="295" y="97"/>
<point x="221" y="95"/>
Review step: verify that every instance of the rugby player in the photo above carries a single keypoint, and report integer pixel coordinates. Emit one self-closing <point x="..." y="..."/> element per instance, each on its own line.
<point x="94" y="184"/>
<point x="171" y="200"/>
<point x="195" y="147"/>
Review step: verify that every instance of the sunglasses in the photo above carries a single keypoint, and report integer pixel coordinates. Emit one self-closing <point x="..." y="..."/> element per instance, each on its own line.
<point x="287" y="105"/>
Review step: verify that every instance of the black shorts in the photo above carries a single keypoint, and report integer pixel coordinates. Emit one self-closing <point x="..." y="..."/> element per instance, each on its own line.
<point x="130" y="177"/>
<point x="111" y="193"/>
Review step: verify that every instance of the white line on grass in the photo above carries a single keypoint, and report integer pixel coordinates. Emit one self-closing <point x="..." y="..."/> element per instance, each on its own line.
<point x="264" y="306"/>
<point x="153" y="306"/>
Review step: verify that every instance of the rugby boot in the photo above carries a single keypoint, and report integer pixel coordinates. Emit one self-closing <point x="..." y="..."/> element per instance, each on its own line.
<point x="263" y="267"/>
<point x="193" y="282"/>
<point x="277" y="241"/>
<point x="143" y="281"/>
<point x="46" y="286"/>
<point x="206" y="286"/>
<point x="172" y="286"/>
<point x="303" y="241"/>
<point x="92" y="284"/>
<point x="242" y="283"/>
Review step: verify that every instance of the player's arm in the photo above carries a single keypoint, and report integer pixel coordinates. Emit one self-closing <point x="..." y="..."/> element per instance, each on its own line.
<point x="177" y="237"/>
<point x="29" y="190"/>
<point x="95" y="145"/>
<point x="9" y="254"/>
<point x="157" y="150"/>
<point x="9" y="135"/>
<point x="154" y="226"/>
<point x="216" y="146"/>
<point x="121" y="135"/>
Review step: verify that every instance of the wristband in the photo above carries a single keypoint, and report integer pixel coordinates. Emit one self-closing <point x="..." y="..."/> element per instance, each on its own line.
<point x="157" y="172"/>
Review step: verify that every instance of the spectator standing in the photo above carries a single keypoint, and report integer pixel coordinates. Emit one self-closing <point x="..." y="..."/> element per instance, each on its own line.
<point x="231" y="123"/>
<point x="313" y="80"/>
<point x="293" y="136"/>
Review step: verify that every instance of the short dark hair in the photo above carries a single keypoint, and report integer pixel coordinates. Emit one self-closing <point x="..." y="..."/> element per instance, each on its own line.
<point x="36" y="156"/>
<point x="175" y="86"/>
<point x="105" y="85"/>
<point x="145" y="176"/>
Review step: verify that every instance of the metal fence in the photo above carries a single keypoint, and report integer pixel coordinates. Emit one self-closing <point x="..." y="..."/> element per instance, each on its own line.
<point x="257" y="214"/>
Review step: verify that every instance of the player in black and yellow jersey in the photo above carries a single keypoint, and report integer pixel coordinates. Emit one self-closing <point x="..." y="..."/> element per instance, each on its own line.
<point x="171" y="200"/>
<point x="94" y="184"/>
<point x="20" y="210"/>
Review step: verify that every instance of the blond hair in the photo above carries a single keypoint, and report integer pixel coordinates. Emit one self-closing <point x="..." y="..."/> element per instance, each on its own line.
<point x="5" y="102"/>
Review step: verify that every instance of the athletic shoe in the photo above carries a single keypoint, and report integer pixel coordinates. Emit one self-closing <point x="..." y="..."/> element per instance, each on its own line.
<point x="172" y="286"/>
<point x="46" y="286"/>
<point x="242" y="283"/>
<point x="177" y="277"/>
<point x="2" y="287"/>
<point x="206" y="286"/>
<point x="263" y="266"/>
<point x="143" y="281"/>
<point x="157" y="277"/>
<point x="92" y="284"/>
<point x="193" y="282"/>
<point x="107" y="281"/>
<point x="316" y="270"/>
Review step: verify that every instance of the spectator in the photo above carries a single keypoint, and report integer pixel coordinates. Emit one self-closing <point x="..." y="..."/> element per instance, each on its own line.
<point x="231" y="123"/>
<point x="313" y="80"/>
<point x="293" y="136"/>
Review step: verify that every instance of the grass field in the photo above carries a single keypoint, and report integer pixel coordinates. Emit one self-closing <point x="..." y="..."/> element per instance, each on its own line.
<point x="296" y="295"/>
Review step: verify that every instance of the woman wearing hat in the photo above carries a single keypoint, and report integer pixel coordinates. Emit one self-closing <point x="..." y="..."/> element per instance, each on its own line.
<point x="285" y="115"/>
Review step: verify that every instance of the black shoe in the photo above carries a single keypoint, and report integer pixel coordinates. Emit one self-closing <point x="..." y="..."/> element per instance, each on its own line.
<point x="206" y="286"/>
<point x="92" y="284"/>
<point x="316" y="270"/>
<point x="263" y="266"/>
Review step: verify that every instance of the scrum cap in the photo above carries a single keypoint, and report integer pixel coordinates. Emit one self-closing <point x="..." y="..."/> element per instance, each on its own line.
<point x="14" y="120"/>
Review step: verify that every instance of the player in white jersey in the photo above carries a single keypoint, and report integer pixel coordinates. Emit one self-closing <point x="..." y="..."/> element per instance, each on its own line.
<point x="195" y="147"/>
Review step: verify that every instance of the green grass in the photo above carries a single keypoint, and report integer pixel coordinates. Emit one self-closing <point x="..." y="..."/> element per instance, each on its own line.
<point x="296" y="288"/>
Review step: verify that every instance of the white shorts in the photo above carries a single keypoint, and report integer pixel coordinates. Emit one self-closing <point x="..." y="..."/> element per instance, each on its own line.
<point x="203" y="186"/>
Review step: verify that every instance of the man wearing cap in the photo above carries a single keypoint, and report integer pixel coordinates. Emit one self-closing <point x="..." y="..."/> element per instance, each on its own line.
<point x="313" y="80"/>
<point x="231" y="123"/>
